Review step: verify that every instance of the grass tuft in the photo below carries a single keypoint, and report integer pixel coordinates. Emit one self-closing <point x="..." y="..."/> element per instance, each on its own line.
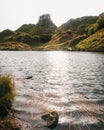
<point x="7" y="93"/>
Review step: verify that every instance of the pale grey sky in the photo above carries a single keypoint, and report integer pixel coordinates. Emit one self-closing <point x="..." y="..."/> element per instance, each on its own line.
<point x="14" y="13"/>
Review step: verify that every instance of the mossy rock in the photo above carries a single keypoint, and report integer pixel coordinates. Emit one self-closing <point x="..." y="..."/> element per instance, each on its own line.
<point x="7" y="93"/>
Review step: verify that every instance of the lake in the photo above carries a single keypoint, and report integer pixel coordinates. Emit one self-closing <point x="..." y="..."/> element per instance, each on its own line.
<point x="71" y="83"/>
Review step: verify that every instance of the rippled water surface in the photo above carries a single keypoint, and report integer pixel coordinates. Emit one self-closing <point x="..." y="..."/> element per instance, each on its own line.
<point x="70" y="82"/>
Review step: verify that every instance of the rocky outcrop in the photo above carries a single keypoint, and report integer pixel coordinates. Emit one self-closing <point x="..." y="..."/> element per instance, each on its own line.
<point x="51" y="119"/>
<point x="45" y="25"/>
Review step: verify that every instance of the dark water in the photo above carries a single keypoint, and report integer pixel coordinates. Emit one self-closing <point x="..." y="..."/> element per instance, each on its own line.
<point x="70" y="82"/>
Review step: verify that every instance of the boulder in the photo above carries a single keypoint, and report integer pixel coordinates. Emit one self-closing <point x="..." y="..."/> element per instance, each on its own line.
<point x="51" y="119"/>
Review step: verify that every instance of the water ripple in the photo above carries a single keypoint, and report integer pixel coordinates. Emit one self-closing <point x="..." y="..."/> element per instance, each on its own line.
<point x="70" y="82"/>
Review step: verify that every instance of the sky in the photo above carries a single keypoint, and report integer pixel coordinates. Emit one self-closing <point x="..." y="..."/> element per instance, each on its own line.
<point x="14" y="13"/>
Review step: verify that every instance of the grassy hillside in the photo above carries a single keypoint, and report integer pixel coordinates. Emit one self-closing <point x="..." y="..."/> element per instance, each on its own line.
<point x="20" y="37"/>
<point x="59" y="41"/>
<point x="79" y="25"/>
<point x="63" y="41"/>
<point x="14" y="46"/>
<point x="27" y="28"/>
<point x="84" y="33"/>
<point x="5" y="34"/>
<point x="94" y="42"/>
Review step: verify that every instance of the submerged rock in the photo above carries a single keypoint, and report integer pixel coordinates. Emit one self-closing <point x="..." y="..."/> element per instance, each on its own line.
<point x="29" y="77"/>
<point x="51" y="119"/>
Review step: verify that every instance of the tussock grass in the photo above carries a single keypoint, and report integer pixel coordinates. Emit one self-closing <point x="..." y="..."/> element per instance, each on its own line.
<point x="7" y="93"/>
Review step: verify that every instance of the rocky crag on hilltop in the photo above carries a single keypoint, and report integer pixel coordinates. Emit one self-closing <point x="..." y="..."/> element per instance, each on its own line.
<point x="45" y="25"/>
<point x="28" y="35"/>
<point x="84" y="34"/>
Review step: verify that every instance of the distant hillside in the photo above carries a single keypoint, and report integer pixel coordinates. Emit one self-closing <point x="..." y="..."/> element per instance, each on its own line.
<point x="5" y="34"/>
<point x="27" y="28"/>
<point x="79" y="25"/>
<point x="84" y="34"/>
<point x="43" y="26"/>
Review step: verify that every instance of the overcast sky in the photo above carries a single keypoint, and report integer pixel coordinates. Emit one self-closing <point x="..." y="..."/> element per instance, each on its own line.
<point x="14" y="13"/>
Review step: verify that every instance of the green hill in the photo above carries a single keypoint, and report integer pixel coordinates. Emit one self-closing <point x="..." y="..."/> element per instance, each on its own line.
<point x="79" y="25"/>
<point x="27" y="28"/>
<point x="5" y="34"/>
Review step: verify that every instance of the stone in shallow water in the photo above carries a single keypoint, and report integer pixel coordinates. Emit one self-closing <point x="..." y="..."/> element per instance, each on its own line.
<point x="51" y="119"/>
<point x="29" y="77"/>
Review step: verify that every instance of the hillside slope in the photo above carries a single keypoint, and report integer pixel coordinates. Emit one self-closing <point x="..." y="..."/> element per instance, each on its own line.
<point x="60" y="41"/>
<point x="85" y="33"/>
<point x="94" y="42"/>
<point x="14" y="46"/>
<point x="75" y="42"/>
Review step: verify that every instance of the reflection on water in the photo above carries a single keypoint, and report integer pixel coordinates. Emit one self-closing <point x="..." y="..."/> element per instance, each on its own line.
<point x="70" y="82"/>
